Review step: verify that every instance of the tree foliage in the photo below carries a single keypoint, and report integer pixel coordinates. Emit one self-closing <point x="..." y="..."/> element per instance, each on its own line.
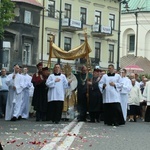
<point x="6" y="14"/>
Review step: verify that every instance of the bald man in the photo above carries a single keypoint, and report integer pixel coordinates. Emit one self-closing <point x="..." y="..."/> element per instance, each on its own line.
<point x="16" y="85"/>
<point x="82" y="103"/>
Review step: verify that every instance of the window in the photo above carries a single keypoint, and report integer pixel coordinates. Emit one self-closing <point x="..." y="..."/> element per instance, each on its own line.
<point x="67" y="44"/>
<point x="27" y="54"/>
<point x="111" y="53"/>
<point x="5" y="58"/>
<point x="83" y="15"/>
<point x="67" y="11"/>
<point x="81" y="41"/>
<point x="97" y="17"/>
<point x="6" y="54"/>
<point x="131" y="43"/>
<point x="51" y="9"/>
<point x="97" y="51"/>
<point x="27" y="17"/>
<point x="112" y="21"/>
<point x="48" y="41"/>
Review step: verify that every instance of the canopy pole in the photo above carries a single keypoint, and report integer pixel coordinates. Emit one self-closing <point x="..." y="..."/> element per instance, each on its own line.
<point x="88" y="65"/>
<point x="50" y="52"/>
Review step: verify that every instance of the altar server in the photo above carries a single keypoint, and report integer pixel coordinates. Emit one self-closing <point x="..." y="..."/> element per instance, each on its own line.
<point x="110" y="86"/>
<point x="126" y="87"/>
<point x="56" y="83"/>
<point x="25" y="101"/>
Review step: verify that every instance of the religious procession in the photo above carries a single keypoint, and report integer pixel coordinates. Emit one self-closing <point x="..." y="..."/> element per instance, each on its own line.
<point x="91" y="95"/>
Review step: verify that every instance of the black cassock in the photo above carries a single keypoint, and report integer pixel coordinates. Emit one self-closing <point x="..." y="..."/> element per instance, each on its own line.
<point x="82" y="102"/>
<point x="39" y="100"/>
<point x="40" y="97"/>
<point x="113" y="112"/>
<point x="147" y="114"/>
<point x="95" y="100"/>
<point x="95" y="97"/>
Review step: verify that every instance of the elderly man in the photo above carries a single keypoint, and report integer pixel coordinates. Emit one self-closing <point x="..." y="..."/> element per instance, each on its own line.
<point x="82" y="93"/>
<point x="133" y="76"/>
<point x="16" y="85"/>
<point x="56" y="83"/>
<point x="135" y="98"/>
<point x="3" y="92"/>
<point x="70" y="96"/>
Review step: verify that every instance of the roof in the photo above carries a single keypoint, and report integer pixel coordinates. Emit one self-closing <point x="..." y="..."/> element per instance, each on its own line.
<point x="144" y="63"/>
<point x="32" y="2"/>
<point x="143" y="5"/>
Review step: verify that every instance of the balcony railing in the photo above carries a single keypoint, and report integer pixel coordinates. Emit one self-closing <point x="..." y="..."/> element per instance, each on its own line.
<point x="99" y="30"/>
<point x="71" y="24"/>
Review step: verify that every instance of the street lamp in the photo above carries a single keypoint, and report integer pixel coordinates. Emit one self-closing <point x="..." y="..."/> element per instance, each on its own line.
<point x="1" y="52"/>
<point x="1" y="48"/>
<point x="60" y="22"/>
<point x="42" y="41"/>
<point x="119" y="22"/>
<point x="137" y="29"/>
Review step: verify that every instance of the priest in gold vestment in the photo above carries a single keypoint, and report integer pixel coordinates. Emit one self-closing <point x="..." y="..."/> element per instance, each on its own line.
<point x="70" y="94"/>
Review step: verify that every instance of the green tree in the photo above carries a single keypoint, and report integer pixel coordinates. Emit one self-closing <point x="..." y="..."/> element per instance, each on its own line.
<point x="6" y="14"/>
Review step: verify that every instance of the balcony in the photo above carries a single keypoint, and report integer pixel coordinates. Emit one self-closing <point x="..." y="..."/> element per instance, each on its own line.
<point x="71" y="25"/>
<point x="101" y="31"/>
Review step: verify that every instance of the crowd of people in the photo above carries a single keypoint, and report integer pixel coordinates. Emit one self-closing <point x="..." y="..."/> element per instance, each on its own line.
<point x="42" y="93"/>
<point x="109" y="96"/>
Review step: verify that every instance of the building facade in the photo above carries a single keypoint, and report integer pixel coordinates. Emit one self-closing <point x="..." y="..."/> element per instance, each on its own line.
<point x="21" y="37"/>
<point x="135" y="29"/>
<point x="66" y="21"/>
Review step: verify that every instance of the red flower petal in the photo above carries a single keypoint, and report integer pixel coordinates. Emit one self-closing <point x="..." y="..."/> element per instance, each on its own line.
<point x="13" y="141"/>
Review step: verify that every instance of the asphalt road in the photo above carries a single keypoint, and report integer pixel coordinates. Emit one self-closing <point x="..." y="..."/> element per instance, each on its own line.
<point x="32" y="135"/>
<point x="28" y="134"/>
<point x="132" y="136"/>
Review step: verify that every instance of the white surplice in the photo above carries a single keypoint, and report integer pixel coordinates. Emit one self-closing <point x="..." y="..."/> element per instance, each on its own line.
<point x="26" y="98"/>
<point x="56" y="90"/>
<point x="135" y="96"/>
<point x="111" y="94"/>
<point x="14" y="99"/>
<point x="127" y="85"/>
<point x="111" y="98"/>
<point x="146" y="93"/>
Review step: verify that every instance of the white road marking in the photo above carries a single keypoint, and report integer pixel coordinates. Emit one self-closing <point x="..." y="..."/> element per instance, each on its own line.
<point x="55" y="140"/>
<point x="69" y="139"/>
